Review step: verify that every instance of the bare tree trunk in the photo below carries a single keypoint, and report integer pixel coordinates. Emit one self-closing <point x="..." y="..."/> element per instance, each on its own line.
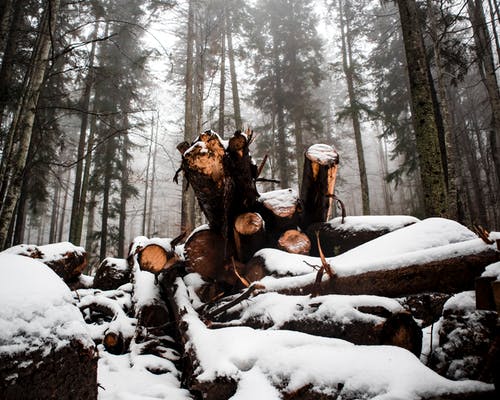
<point x="55" y="212"/>
<point x="348" y="65"/>
<point x="105" y="202"/>
<point x="146" y="184"/>
<point x="89" y="237"/>
<point x="187" y="207"/>
<point x="487" y="70"/>
<point x="493" y="6"/>
<point x="153" y="175"/>
<point x="429" y="155"/>
<point x="22" y="126"/>
<point x="63" y="209"/>
<point x="232" y="70"/>
<point x="75" y="232"/>
<point x="451" y="158"/>
<point x="222" y="87"/>
<point x="123" y="189"/>
<point x="7" y="10"/>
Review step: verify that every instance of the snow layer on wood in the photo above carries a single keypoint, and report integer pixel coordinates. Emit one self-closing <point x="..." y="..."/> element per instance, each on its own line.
<point x="492" y="270"/>
<point x="49" y="252"/>
<point x="146" y="290"/>
<point x="277" y="309"/>
<point x="323" y="154"/>
<point x="296" y="359"/>
<point x="461" y="302"/>
<point x="120" y="264"/>
<point x="281" y="201"/>
<point x="372" y="222"/>
<point x="37" y="308"/>
<point x="120" y="379"/>
<point x="430" y="240"/>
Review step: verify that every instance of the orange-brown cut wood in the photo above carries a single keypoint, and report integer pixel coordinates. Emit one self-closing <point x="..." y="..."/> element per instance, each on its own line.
<point x="153" y="258"/>
<point x="295" y="242"/>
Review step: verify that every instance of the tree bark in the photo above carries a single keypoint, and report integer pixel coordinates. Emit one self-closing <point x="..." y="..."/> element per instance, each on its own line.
<point x="234" y="81"/>
<point x="451" y="275"/>
<point x="22" y="124"/>
<point x="318" y="183"/>
<point x="187" y="207"/>
<point x="222" y="87"/>
<point x="487" y="70"/>
<point x="348" y="66"/>
<point x="429" y="156"/>
<point x="75" y="231"/>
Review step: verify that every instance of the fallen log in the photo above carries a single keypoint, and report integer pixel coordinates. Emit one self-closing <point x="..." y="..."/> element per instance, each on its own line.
<point x="65" y="259"/>
<point x="337" y="237"/>
<point x="295" y="242"/>
<point x="249" y="235"/>
<point x="318" y="183"/>
<point x="448" y="275"/>
<point x="111" y="274"/>
<point x="363" y="320"/>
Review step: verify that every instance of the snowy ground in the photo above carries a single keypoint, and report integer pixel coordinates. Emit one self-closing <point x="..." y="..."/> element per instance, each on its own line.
<point x="36" y="304"/>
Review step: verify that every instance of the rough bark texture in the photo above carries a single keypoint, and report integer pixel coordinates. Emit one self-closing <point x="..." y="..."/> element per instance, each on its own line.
<point x="450" y="275"/>
<point x="111" y="274"/>
<point x="69" y="372"/>
<point x="429" y="156"/>
<point x="318" y="183"/>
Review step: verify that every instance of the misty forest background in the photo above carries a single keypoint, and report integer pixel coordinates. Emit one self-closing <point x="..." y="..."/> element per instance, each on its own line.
<point x="95" y="96"/>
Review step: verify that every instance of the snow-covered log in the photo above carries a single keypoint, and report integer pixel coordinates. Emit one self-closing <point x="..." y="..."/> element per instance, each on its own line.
<point x="434" y="255"/>
<point x="357" y="319"/>
<point x="337" y="237"/>
<point x="466" y="338"/>
<point x="318" y="183"/>
<point x="67" y="261"/>
<point x="46" y="351"/>
<point x="111" y="274"/>
<point x="276" y="364"/>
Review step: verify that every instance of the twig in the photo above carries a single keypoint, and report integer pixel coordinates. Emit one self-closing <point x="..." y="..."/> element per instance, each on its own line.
<point x="245" y="295"/>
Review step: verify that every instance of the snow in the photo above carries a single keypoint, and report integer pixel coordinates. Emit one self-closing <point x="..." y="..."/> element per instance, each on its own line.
<point x="276" y="309"/>
<point x="372" y="222"/>
<point x="492" y="271"/>
<point x="37" y="309"/>
<point x="324" y="154"/>
<point x="463" y="302"/>
<point x="49" y="252"/>
<point x="291" y="360"/>
<point x="119" y="380"/>
<point x="281" y="201"/>
<point x="429" y="240"/>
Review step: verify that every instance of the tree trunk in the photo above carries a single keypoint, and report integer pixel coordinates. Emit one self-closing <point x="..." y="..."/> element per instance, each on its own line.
<point x="187" y="207"/>
<point x="222" y="86"/>
<point x="348" y="66"/>
<point x="89" y="239"/>
<point x="22" y="124"/>
<point x="63" y="208"/>
<point x="153" y="177"/>
<point x="106" y="199"/>
<point x="487" y="70"/>
<point x="429" y="156"/>
<point x="146" y="183"/>
<point x="234" y="81"/>
<point x="75" y="232"/>
<point x="124" y="195"/>
<point x="318" y="183"/>
<point x="451" y="158"/>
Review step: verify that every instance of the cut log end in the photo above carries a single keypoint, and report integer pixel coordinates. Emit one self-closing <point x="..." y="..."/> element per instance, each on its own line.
<point x="249" y="223"/>
<point x="295" y="242"/>
<point x="155" y="259"/>
<point x="113" y="342"/>
<point x="401" y="330"/>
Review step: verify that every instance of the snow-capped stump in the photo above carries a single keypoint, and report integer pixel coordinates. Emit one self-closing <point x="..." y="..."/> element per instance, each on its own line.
<point x="318" y="183"/>
<point x="466" y="337"/>
<point x="67" y="260"/>
<point x="45" y="348"/>
<point x="434" y="255"/>
<point x="277" y="364"/>
<point x="337" y="237"/>
<point x="111" y="274"/>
